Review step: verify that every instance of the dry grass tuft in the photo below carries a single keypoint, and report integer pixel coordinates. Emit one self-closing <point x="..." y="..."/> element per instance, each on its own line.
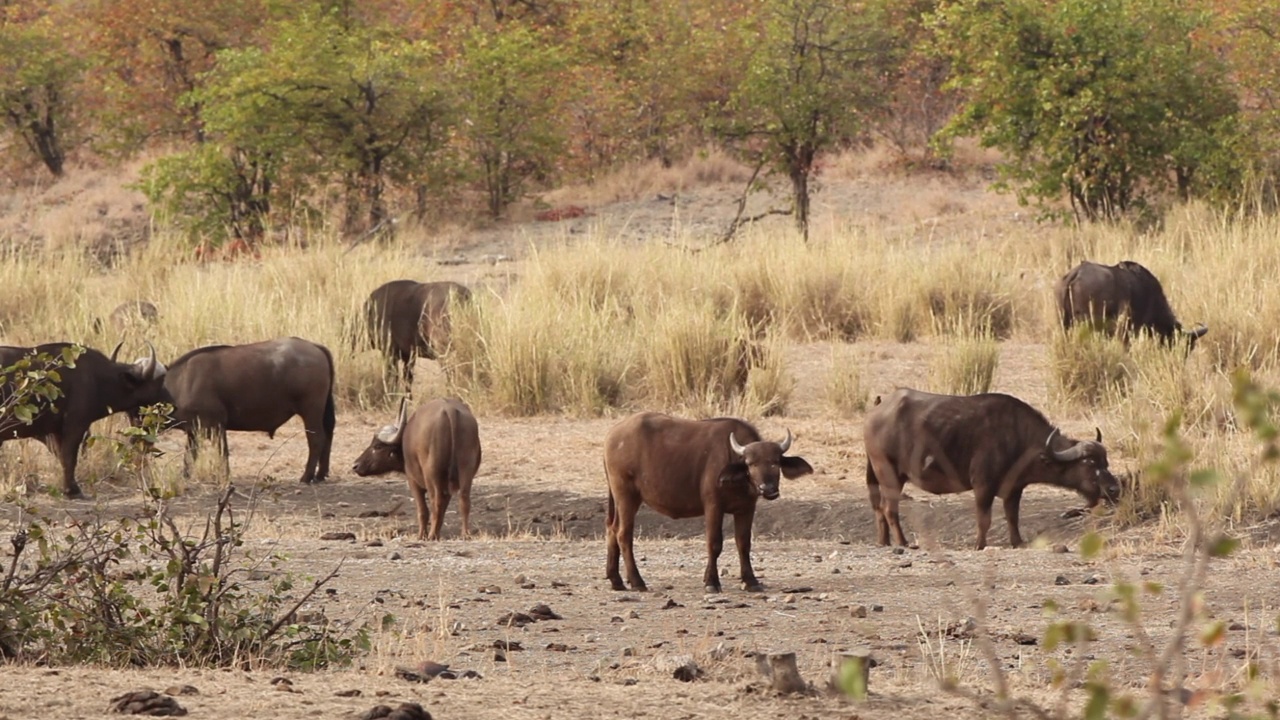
<point x="966" y="365"/>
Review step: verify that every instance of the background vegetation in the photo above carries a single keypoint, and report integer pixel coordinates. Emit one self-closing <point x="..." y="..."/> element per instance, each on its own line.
<point x="257" y="114"/>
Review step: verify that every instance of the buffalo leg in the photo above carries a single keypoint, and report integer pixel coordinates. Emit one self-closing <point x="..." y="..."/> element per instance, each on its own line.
<point x="464" y="509"/>
<point x="885" y="498"/>
<point x="424" y="512"/>
<point x="68" y="453"/>
<point x="612" y="553"/>
<point x="1011" y="505"/>
<point x="439" y="503"/>
<point x="983" y="501"/>
<point x="873" y="496"/>
<point x="742" y="538"/>
<point x="715" y="543"/>
<point x="315" y="450"/>
<point x="193" y="451"/>
<point x="626" y="534"/>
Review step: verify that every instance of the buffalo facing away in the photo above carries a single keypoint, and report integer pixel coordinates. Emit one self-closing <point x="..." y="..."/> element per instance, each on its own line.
<point x="93" y="388"/>
<point x="438" y="449"/>
<point x="407" y="319"/>
<point x="993" y="444"/>
<point x="1127" y="293"/>
<point x="256" y="388"/>
<point x="690" y="468"/>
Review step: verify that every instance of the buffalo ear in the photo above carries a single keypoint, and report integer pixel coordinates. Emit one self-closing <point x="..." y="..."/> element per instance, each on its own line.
<point x="794" y="467"/>
<point x="735" y="472"/>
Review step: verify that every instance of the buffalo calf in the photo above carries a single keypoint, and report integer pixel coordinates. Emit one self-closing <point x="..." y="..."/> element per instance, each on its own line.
<point x="993" y="444"/>
<point x="690" y="468"/>
<point x="256" y="388"/>
<point x="438" y="449"/>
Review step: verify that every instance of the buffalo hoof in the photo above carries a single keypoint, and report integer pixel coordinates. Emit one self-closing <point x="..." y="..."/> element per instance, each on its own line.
<point x="618" y="586"/>
<point x="754" y="587"/>
<point x="75" y="494"/>
<point x="713" y="589"/>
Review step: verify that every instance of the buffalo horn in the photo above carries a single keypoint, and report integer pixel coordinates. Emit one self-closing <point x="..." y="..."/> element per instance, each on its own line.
<point x="733" y="443"/>
<point x="394" y="438"/>
<point x="1098" y="430"/>
<point x="1198" y="331"/>
<point x="1071" y="454"/>
<point x="786" y="444"/>
<point x="148" y="370"/>
<point x="116" y="352"/>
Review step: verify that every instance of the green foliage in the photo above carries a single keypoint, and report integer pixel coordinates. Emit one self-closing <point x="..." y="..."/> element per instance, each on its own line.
<point x="1102" y="103"/>
<point x="30" y="386"/>
<point x="139" y="592"/>
<point x="38" y="77"/>
<point x="512" y="87"/>
<point x="210" y="193"/>
<point x="816" y="72"/>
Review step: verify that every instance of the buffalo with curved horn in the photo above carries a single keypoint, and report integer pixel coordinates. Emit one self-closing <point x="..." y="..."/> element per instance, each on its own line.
<point x="993" y="444"/>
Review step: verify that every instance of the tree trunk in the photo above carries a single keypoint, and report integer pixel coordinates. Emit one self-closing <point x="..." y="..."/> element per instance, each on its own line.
<point x="799" y="168"/>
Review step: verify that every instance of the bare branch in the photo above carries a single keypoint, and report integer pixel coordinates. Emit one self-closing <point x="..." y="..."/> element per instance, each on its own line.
<point x="279" y="623"/>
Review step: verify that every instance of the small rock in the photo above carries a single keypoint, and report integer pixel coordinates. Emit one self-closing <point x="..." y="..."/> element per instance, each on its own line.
<point x="508" y="645"/>
<point x="348" y="693"/>
<point x="1025" y="639"/>
<point x="1060" y="549"/>
<point x="181" y="690"/>
<point x="405" y="711"/>
<point x="1093" y="579"/>
<point x="147" y="702"/>
<point x="628" y="652"/>
<point x="1061" y="580"/>
<point x="489" y="590"/>
<point x="671" y="604"/>
<point x="904" y="564"/>
<point x="630" y="681"/>
<point x="520" y="580"/>
<point x="899" y="550"/>
<point x="394" y="556"/>
<point x="877" y="608"/>
<point x="859" y="611"/>
<point x="633" y="615"/>
<point x="337" y="535"/>
<point x="616" y="619"/>
<point x="557" y="647"/>
<point x="796" y="589"/>
<point x="558" y="584"/>
<point x="1235" y="626"/>
<point x="542" y="611"/>
<point x="374" y="543"/>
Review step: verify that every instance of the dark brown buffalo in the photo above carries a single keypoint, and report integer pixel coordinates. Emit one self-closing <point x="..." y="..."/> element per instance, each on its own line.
<point x="438" y="448"/>
<point x="1106" y="295"/>
<point x="690" y="468"/>
<point x="407" y="319"/>
<point x="993" y="444"/>
<point x="95" y="387"/>
<point x="256" y="388"/>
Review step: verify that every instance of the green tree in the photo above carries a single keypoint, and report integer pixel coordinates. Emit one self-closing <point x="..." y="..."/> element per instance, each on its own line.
<point x="330" y="100"/>
<point x="38" y="85"/>
<point x="815" y="74"/>
<point x="1100" y="102"/>
<point x="513" y="86"/>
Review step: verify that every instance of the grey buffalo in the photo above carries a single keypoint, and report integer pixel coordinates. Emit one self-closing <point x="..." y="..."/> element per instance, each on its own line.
<point x="690" y="468"/>
<point x="438" y="449"/>
<point x="1126" y="294"/>
<point x="93" y="388"/>
<point x="993" y="444"/>
<point x="407" y="319"/>
<point x="257" y="388"/>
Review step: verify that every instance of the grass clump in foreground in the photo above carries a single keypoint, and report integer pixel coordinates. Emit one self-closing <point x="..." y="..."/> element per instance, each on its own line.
<point x="966" y="364"/>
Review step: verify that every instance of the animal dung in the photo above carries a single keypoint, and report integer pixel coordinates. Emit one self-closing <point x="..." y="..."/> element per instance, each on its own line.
<point x="147" y="702"/>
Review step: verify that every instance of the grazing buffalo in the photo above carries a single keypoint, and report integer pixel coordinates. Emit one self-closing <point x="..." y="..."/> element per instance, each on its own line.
<point x="1125" y="293"/>
<point x="93" y="388"/>
<point x="256" y="388"/>
<point x="407" y="319"/>
<point x="993" y="444"/>
<point x="690" y="468"/>
<point x="438" y="448"/>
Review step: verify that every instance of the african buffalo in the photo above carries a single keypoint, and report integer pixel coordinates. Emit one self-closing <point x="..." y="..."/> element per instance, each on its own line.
<point x="438" y="448"/>
<point x="1104" y="294"/>
<point x="407" y="319"/>
<point x="993" y="444"/>
<point x="686" y="468"/>
<point x="93" y="388"/>
<point x="256" y="387"/>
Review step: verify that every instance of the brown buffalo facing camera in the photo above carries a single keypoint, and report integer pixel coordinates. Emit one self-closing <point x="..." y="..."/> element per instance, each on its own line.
<point x="690" y="468"/>
<point x="438" y="449"/>
<point x="993" y="444"/>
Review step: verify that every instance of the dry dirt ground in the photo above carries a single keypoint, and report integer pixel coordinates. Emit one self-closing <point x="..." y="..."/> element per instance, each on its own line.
<point x="538" y="517"/>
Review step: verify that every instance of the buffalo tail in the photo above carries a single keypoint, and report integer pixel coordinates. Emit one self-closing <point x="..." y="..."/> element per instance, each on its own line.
<point x="610" y="511"/>
<point x="454" y="483"/>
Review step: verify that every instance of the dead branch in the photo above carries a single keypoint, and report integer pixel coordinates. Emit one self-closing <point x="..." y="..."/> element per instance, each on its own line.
<point x="279" y="623"/>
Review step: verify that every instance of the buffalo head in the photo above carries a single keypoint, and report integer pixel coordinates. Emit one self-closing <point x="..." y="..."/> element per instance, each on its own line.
<point x="385" y="452"/>
<point x="760" y="464"/>
<point x="1084" y="467"/>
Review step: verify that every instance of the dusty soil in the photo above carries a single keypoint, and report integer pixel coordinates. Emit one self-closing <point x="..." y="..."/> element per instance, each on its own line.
<point x="538" y="518"/>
